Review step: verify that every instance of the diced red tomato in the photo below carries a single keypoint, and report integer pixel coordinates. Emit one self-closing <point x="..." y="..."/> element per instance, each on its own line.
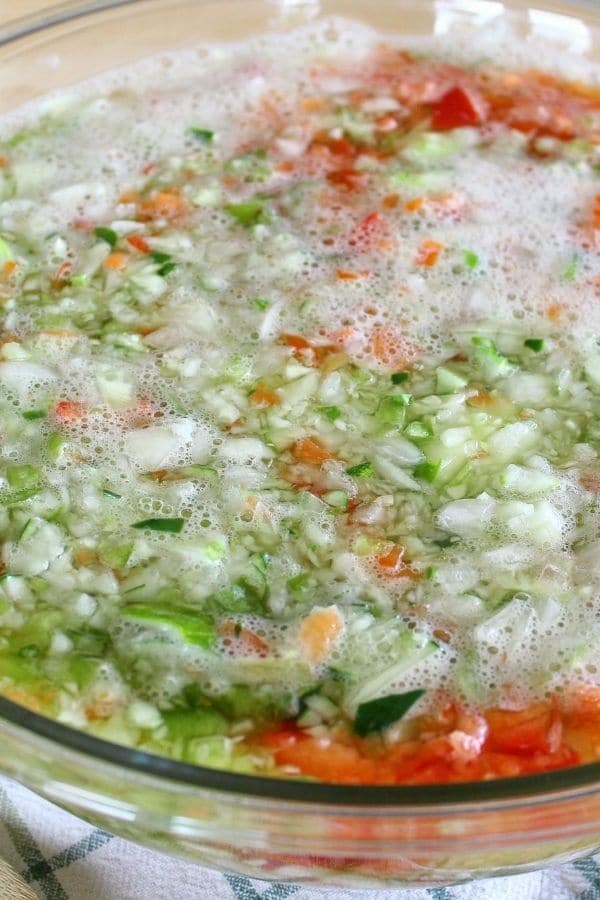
<point x="535" y="729"/>
<point x="457" y="108"/>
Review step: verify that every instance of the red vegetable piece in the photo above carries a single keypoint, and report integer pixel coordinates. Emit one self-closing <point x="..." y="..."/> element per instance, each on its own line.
<point x="455" y="109"/>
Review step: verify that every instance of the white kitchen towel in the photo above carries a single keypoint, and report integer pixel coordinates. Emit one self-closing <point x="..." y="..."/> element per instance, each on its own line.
<point x="63" y="858"/>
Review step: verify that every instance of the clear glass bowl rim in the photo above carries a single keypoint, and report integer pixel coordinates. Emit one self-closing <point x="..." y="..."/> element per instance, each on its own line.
<point x="579" y="779"/>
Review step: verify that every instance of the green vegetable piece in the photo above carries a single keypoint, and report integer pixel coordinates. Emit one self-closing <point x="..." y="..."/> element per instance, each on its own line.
<point x="197" y="471"/>
<point x="32" y="414"/>
<point x="430" y="572"/>
<point x="249" y="213"/>
<point x="487" y="357"/>
<point x="160" y="257"/>
<point x="259" y="303"/>
<point x="427" y="470"/>
<point x="166" y="268"/>
<point x="186" y="724"/>
<point x="112" y="494"/>
<point x="377" y="715"/>
<point x="23" y="477"/>
<point x="172" y="526"/>
<point x="535" y="344"/>
<point x="471" y="259"/>
<point x="330" y="412"/>
<point x="392" y="409"/>
<point x="418" y="431"/>
<point x="29" y="651"/>
<point x="336" y="499"/>
<point x="6" y="254"/>
<point x="194" y="627"/>
<point x="116" y="555"/>
<point x="447" y="381"/>
<point x="204" y="135"/>
<point x="106" y="234"/>
<point x="361" y="470"/>
<point x="571" y="269"/>
<point x="399" y="377"/>
<point x="56" y="445"/>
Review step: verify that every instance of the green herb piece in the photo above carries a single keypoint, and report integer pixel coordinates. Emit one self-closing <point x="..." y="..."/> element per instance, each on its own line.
<point x="106" y="234"/>
<point x="32" y="414"/>
<point x="399" y="377"/>
<point x="172" y="526"/>
<point x="112" y="494"/>
<point x="376" y="715"/>
<point x="430" y="572"/>
<point x="535" y="344"/>
<point x="361" y="470"/>
<point x="29" y="651"/>
<point x="427" y="470"/>
<point x="202" y="134"/>
<point x="259" y="303"/>
<point x="166" y="268"/>
<point x="330" y="412"/>
<point x="471" y="259"/>
<point x="249" y="213"/>
<point x="160" y="257"/>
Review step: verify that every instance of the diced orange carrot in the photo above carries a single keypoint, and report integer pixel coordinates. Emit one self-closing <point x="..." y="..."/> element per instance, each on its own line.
<point x="554" y="311"/>
<point x="139" y="243"/>
<point x="428" y="253"/>
<point x="129" y="197"/>
<point x="342" y="336"/>
<point x="84" y="556"/>
<point x="311" y="451"/>
<point x="319" y="632"/>
<point x="415" y="205"/>
<point x="388" y="346"/>
<point x="263" y="396"/>
<point x="62" y="275"/>
<point x="312" y="104"/>
<point x="391" y="201"/>
<point x="116" y="260"/>
<point x="346" y="275"/>
<point x="482" y="399"/>
<point x="69" y="410"/>
<point x="10" y="267"/>
<point x="168" y="205"/>
<point x="244" y="641"/>
<point x="392" y="564"/>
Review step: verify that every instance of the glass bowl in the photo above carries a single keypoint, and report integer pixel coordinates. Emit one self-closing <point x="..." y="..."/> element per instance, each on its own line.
<point x="263" y="827"/>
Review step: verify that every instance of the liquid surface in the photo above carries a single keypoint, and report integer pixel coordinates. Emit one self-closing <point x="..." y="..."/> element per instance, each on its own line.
<point x="299" y="402"/>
